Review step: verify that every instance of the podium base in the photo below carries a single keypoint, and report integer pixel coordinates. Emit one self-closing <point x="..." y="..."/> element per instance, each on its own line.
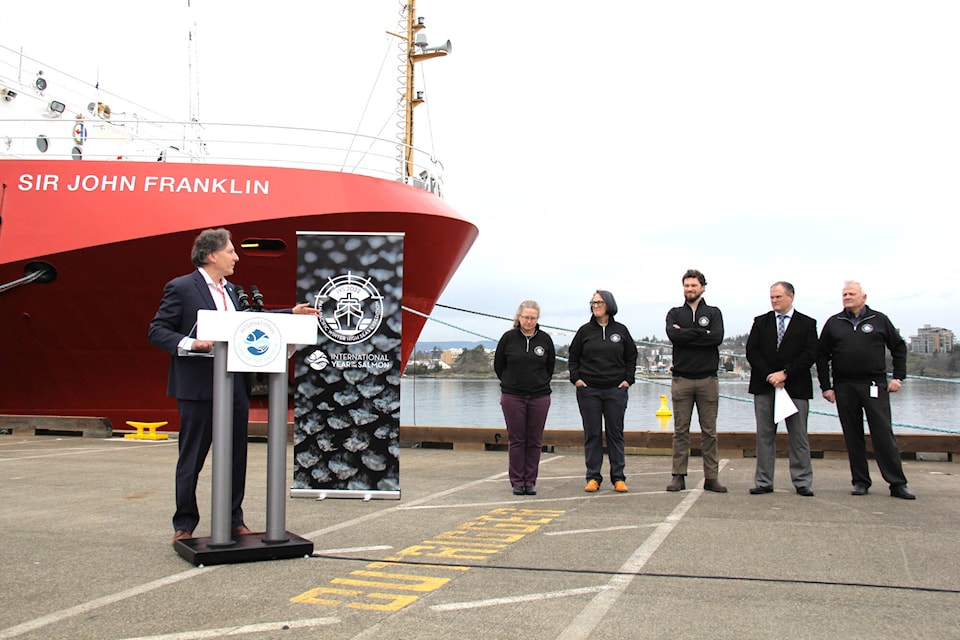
<point x="250" y="547"/>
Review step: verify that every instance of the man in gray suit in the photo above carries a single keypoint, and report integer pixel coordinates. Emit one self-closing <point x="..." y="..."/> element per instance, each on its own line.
<point x="781" y="349"/>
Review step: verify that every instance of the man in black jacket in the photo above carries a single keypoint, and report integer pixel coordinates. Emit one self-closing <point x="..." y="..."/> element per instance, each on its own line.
<point x="854" y="344"/>
<point x="781" y="349"/>
<point x="696" y="331"/>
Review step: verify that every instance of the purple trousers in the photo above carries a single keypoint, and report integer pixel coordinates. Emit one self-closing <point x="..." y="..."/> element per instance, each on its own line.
<point x="525" y="417"/>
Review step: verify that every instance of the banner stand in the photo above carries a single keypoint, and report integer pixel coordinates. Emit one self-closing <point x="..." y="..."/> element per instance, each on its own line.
<point x="228" y="329"/>
<point x="347" y="418"/>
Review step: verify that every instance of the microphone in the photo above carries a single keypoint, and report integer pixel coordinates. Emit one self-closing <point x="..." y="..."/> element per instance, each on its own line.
<point x="257" y="298"/>
<point x="243" y="299"/>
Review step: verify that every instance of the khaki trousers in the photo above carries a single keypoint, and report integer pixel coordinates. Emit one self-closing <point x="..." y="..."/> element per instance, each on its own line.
<point x="705" y="394"/>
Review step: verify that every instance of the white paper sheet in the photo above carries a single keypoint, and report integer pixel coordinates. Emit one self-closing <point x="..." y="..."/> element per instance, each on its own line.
<point x="783" y="406"/>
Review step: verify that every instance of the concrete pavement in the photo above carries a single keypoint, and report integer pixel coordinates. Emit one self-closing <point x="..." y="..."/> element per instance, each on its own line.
<point x="86" y="553"/>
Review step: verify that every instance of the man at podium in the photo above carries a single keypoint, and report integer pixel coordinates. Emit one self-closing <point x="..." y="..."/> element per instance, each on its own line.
<point x="190" y="378"/>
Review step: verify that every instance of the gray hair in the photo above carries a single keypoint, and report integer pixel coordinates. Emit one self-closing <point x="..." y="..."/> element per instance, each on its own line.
<point x="209" y="241"/>
<point x="854" y="283"/>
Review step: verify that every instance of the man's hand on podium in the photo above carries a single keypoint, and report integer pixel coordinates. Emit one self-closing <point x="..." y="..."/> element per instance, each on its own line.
<point x="305" y="309"/>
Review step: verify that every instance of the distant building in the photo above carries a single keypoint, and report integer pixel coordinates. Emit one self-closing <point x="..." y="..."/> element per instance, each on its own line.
<point x="931" y="340"/>
<point x="450" y="356"/>
<point x="432" y="364"/>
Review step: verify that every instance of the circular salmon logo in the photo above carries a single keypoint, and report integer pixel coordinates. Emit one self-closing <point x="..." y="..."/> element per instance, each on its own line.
<point x="257" y="342"/>
<point x="317" y="360"/>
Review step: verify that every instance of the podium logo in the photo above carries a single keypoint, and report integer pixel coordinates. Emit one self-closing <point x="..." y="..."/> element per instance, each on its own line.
<point x="257" y="342"/>
<point x="351" y="309"/>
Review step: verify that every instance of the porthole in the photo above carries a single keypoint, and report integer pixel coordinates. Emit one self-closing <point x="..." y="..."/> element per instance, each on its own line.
<point x="43" y="143"/>
<point x="263" y="247"/>
<point x="77" y="153"/>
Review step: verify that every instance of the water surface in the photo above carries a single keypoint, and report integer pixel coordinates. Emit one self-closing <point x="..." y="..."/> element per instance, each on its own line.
<point x="451" y="402"/>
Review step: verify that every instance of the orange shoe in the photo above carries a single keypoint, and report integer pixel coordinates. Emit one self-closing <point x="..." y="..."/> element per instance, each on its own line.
<point x="592" y="486"/>
<point x="620" y="486"/>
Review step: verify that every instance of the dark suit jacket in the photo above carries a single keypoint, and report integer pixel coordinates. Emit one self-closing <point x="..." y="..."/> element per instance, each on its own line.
<point x="190" y="377"/>
<point x="797" y="353"/>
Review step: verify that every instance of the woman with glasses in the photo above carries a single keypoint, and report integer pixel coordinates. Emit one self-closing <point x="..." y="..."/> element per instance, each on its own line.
<point x="603" y="363"/>
<point x="524" y="362"/>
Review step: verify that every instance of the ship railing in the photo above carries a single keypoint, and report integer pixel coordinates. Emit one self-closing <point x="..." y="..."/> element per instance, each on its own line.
<point x="216" y="143"/>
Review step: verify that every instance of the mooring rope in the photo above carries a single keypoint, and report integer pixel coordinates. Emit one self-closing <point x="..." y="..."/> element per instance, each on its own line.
<point x="27" y="279"/>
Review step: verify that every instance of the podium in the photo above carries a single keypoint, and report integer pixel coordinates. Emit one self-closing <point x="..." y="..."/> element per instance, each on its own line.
<point x="249" y="342"/>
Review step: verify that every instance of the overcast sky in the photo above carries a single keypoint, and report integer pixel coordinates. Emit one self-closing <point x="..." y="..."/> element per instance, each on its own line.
<point x="608" y="144"/>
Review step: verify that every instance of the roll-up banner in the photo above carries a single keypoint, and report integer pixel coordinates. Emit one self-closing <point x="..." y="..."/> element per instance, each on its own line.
<point x="347" y="401"/>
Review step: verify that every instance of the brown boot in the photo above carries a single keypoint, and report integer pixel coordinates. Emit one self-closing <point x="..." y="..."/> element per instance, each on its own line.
<point x="677" y="484"/>
<point x="712" y="484"/>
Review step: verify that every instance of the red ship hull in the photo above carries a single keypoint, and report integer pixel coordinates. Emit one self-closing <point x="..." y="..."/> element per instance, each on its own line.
<point x="115" y="232"/>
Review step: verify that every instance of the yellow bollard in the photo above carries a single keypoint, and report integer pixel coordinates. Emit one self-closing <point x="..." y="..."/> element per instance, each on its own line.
<point x="664" y="413"/>
<point x="150" y="427"/>
<point x="664" y="410"/>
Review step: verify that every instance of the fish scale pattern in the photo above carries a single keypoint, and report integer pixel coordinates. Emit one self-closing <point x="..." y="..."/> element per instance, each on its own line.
<point x="347" y="398"/>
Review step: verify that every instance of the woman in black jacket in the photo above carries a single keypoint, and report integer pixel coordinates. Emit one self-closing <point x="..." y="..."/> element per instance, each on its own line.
<point x="603" y="365"/>
<point x="524" y="362"/>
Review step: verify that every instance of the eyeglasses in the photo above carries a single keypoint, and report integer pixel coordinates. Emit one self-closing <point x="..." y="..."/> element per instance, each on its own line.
<point x="596" y="303"/>
<point x="529" y="318"/>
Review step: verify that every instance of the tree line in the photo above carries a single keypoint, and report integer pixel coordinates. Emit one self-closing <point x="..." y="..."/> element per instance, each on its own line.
<point x="476" y="362"/>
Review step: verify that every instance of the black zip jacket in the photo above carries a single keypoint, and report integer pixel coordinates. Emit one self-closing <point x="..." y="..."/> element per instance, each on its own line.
<point x="696" y="343"/>
<point x="855" y="351"/>
<point x="525" y="365"/>
<point x="603" y="357"/>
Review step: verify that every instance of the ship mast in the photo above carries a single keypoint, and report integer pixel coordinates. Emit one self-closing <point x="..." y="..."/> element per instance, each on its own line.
<point x="193" y="70"/>
<point x="416" y="51"/>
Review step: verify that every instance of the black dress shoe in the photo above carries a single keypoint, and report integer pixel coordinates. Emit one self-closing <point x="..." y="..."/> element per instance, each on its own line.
<point x="518" y="491"/>
<point x="860" y="489"/>
<point x="900" y="491"/>
<point x="758" y="490"/>
<point x="530" y="490"/>
<point x="806" y="492"/>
